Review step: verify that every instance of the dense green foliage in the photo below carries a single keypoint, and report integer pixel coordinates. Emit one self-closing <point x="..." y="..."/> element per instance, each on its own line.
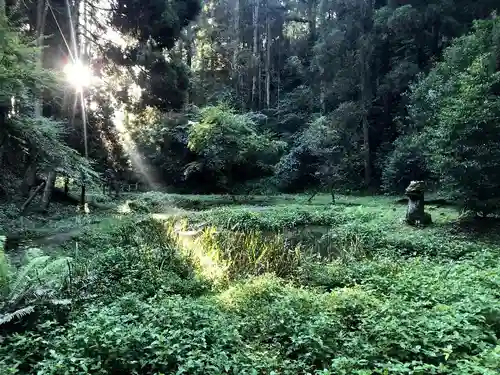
<point x="331" y="98"/>
<point x="328" y="151"/>
<point x="228" y="143"/>
<point x="252" y="99"/>
<point x="382" y="299"/>
<point x="344" y="84"/>
<point x="456" y="107"/>
<point x="20" y="129"/>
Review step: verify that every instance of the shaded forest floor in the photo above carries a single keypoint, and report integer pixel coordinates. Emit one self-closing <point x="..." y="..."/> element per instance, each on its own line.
<point x="164" y="283"/>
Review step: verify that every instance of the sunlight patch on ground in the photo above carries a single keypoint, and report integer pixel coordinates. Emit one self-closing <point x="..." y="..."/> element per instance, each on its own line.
<point x="124" y="208"/>
<point x="208" y="261"/>
<point x="167" y="213"/>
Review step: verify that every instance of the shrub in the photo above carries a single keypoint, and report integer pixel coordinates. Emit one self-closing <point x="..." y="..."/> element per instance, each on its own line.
<point x="174" y="335"/>
<point x="327" y="152"/>
<point x="225" y="141"/>
<point x="412" y="317"/>
<point x="399" y="301"/>
<point x="409" y="161"/>
<point x="141" y="258"/>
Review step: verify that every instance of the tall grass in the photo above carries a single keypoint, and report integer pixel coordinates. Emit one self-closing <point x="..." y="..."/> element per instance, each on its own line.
<point x="253" y="253"/>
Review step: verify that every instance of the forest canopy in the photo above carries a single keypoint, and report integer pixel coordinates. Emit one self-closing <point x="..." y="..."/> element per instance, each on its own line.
<point x="360" y="94"/>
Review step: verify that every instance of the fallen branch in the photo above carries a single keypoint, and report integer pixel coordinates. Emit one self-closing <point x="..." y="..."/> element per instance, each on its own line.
<point x="312" y="196"/>
<point x="31" y="197"/>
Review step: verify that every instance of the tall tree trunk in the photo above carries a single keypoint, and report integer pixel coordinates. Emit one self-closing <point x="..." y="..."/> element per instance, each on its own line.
<point x="268" y="60"/>
<point x="30" y="174"/>
<point x="4" y="107"/>
<point x="366" y="85"/>
<point x="323" y="28"/>
<point x="235" y="76"/>
<point x="255" y="57"/>
<point x="80" y="54"/>
<point x="66" y="186"/>
<point x="314" y="82"/>
<point x="85" y="45"/>
<point x="41" y="15"/>
<point x="82" y="196"/>
<point x="189" y="47"/>
<point x="189" y="58"/>
<point x="259" y="78"/>
<point x="78" y="29"/>
<point x="3" y="137"/>
<point x="311" y="22"/>
<point x="322" y="96"/>
<point x="279" y="41"/>
<point x="47" y="192"/>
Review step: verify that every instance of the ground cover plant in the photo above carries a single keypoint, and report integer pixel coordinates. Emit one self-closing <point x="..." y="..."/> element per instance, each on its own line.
<point x="382" y="299"/>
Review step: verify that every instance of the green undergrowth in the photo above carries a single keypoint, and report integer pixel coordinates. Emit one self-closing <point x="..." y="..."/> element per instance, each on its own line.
<point x="59" y="218"/>
<point x="285" y="289"/>
<point x="158" y="202"/>
<point x="362" y="227"/>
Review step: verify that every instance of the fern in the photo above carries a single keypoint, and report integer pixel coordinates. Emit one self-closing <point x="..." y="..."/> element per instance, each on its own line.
<point x="39" y="274"/>
<point x="24" y="278"/>
<point x="4" y="266"/>
<point x="18" y="314"/>
<point x="39" y="282"/>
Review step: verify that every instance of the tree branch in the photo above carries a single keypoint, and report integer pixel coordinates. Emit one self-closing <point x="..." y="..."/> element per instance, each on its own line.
<point x="100" y="8"/>
<point x="295" y="18"/>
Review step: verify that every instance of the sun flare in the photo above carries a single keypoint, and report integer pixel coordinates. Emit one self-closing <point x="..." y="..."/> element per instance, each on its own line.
<point x="78" y="75"/>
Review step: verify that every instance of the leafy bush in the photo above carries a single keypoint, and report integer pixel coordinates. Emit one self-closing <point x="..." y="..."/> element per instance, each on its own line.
<point x="329" y="141"/>
<point x="226" y="141"/>
<point x="427" y="327"/>
<point x="383" y="306"/>
<point x="261" y="326"/>
<point x="409" y="317"/>
<point x="409" y="161"/>
<point x="139" y="257"/>
<point x="176" y="334"/>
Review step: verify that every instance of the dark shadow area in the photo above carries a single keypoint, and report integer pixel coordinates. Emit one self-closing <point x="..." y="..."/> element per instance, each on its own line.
<point x="439" y="202"/>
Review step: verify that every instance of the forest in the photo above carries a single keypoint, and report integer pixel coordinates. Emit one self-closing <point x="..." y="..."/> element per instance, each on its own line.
<point x="250" y="187"/>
